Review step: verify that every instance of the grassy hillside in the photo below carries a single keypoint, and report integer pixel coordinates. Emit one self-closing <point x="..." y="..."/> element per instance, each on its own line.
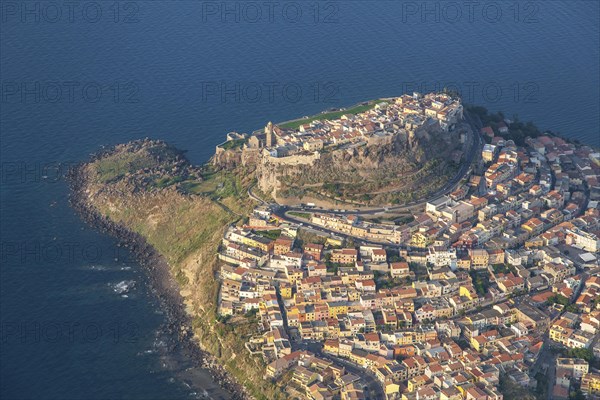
<point x="294" y="124"/>
<point x="186" y="228"/>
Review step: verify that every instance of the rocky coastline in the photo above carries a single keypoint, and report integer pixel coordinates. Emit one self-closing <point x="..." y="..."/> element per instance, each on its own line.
<point x="178" y="325"/>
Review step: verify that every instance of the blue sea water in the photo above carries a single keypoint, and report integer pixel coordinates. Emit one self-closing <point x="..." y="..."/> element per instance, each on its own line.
<point x="77" y="77"/>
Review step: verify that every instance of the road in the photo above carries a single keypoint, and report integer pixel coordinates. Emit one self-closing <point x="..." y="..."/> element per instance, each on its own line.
<point x="474" y="143"/>
<point x="374" y="389"/>
<point x="255" y="197"/>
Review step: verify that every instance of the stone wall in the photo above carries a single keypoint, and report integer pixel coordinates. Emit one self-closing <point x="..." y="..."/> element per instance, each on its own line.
<point x="299" y="159"/>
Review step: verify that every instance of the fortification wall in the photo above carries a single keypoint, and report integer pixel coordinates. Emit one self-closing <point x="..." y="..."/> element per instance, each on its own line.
<point x="298" y="159"/>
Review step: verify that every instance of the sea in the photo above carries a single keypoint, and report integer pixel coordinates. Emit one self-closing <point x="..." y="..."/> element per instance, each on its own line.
<point x="78" y="320"/>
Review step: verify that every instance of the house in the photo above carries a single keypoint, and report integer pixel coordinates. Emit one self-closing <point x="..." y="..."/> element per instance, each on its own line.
<point x="480" y="258"/>
<point x="399" y="269"/>
<point x="533" y="226"/>
<point x="344" y="256"/>
<point x="489" y="152"/>
<point x="576" y="366"/>
<point x="282" y="245"/>
<point x="590" y="383"/>
<point x="313" y="249"/>
<point x="496" y="256"/>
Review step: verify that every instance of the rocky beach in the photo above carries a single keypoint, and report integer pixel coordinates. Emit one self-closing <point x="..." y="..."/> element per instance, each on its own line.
<point x="182" y="350"/>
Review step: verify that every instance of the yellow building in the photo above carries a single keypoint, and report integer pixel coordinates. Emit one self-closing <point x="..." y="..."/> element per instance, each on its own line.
<point x="391" y="388"/>
<point x="416" y="382"/>
<point x="480" y="258"/>
<point x="258" y="242"/>
<point x="294" y="275"/>
<point x="313" y="145"/>
<point x="557" y="333"/>
<point x="420" y="240"/>
<point x="463" y="263"/>
<point x="465" y="291"/>
<point x="293" y="316"/>
<point x="590" y="383"/>
<point x="353" y="295"/>
<point x="332" y="346"/>
<point x="336" y="308"/>
<point x="484" y="340"/>
<point x="334" y="242"/>
<point x="286" y="291"/>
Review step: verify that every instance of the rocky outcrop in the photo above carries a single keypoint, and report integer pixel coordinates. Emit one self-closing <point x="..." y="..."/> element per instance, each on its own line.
<point x="134" y="169"/>
<point x="363" y="171"/>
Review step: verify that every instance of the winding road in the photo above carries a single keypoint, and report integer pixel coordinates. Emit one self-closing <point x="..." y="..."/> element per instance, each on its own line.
<point x="474" y="142"/>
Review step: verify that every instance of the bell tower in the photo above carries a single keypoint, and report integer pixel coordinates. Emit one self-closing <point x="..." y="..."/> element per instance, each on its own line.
<point x="269" y="135"/>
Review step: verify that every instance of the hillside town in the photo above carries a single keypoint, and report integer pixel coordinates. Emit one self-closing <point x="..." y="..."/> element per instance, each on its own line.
<point x="397" y="116"/>
<point x="489" y="292"/>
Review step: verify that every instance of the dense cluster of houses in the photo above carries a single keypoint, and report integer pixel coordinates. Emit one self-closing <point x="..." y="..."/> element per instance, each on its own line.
<point x="472" y="289"/>
<point x="403" y="115"/>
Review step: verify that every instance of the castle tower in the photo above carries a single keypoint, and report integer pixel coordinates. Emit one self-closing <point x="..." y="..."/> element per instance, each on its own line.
<point x="269" y="136"/>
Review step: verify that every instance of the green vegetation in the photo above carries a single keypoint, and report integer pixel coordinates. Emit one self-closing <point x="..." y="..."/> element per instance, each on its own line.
<point x="503" y="269"/>
<point x="419" y="270"/>
<point x="388" y="283"/>
<point x="512" y="390"/>
<point x="518" y="131"/>
<point x="404" y="220"/>
<point x="117" y="166"/>
<point x="233" y="144"/>
<point x="481" y="281"/>
<point x="186" y="229"/>
<point x="392" y="255"/>
<point x="585" y="354"/>
<point x="133" y="158"/>
<point x="215" y="184"/>
<point x="559" y="299"/>
<point x="330" y="115"/>
<point x="303" y="237"/>
<point x="272" y="234"/>
<point x="563" y="301"/>
<point x="166" y="181"/>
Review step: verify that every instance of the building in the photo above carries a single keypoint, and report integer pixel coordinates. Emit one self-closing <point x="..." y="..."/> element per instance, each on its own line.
<point x="488" y="153"/>
<point x="480" y="258"/>
<point x="583" y="240"/>
<point x="344" y="256"/>
<point x="590" y="384"/>
<point x="399" y="269"/>
<point x="576" y="366"/>
<point x="314" y="250"/>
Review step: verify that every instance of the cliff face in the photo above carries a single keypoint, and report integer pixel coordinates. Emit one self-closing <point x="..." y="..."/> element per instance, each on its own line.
<point x="227" y="159"/>
<point x="363" y="174"/>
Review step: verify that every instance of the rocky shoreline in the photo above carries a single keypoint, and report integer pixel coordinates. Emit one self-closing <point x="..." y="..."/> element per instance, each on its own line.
<point x="178" y="326"/>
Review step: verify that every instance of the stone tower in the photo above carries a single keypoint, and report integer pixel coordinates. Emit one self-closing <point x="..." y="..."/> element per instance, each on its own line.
<point x="269" y="136"/>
